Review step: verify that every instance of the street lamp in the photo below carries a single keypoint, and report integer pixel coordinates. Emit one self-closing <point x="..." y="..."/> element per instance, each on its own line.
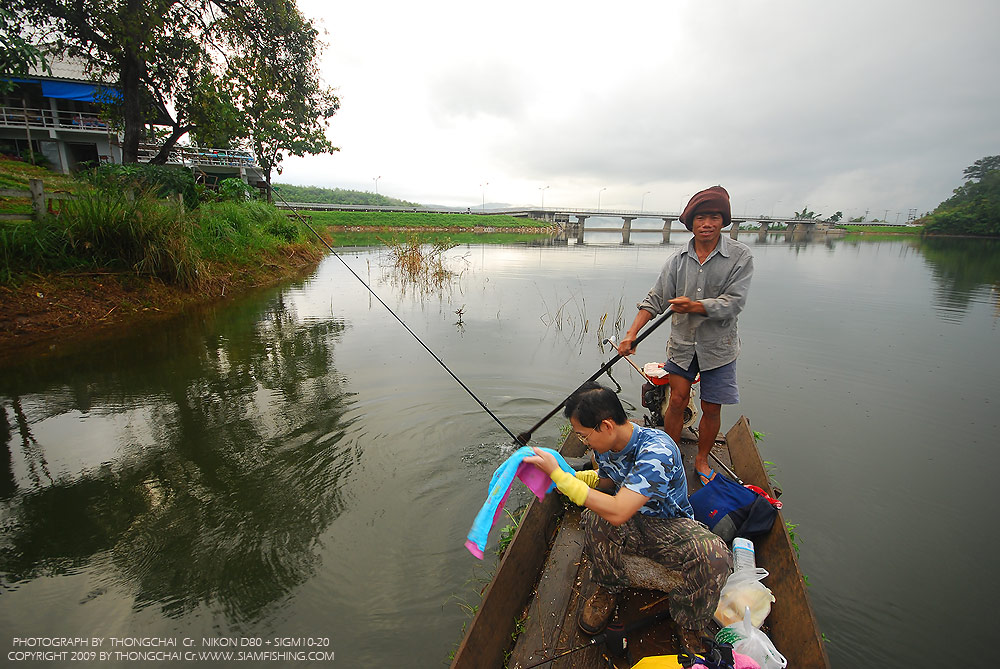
<point x="375" y="179"/>
<point x="642" y="204"/>
<point x="543" y="194"/>
<point x="599" y="198"/>
<point x="483" y="186"/>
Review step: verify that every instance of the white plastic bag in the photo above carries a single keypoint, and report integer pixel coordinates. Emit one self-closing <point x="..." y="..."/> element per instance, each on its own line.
<point x="750" y="641"/>
<point x="744" y="590"/>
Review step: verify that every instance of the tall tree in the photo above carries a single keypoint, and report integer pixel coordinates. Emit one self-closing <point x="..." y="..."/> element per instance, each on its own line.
<point x="977" y="170"/>
<point x="285" y="109"/>
<point x="174" y="61"/>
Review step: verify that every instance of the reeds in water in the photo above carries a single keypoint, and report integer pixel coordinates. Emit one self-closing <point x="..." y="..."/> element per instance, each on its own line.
<point x="420" y="265"/>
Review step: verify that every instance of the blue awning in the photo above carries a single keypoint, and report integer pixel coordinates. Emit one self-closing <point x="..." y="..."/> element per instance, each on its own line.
<point x="70" y="90"/>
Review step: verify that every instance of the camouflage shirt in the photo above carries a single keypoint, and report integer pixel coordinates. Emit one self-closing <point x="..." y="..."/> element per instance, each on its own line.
<point x="650" y="465"/>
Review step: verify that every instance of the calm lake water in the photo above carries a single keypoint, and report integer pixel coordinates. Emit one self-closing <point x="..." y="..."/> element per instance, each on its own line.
<point x="293" y="464"/>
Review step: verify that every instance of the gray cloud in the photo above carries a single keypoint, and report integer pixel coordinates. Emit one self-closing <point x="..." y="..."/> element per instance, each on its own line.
<point x="885" y="103"/>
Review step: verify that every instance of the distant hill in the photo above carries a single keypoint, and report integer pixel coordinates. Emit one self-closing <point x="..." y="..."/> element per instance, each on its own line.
<point x="337" y="196"/>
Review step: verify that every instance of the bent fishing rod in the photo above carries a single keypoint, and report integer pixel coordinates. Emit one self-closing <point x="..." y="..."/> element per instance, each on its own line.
<point x="522" y="438"/>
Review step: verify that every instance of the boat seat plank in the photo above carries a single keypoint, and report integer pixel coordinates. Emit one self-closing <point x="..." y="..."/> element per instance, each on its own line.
<point x="541" y="628"/>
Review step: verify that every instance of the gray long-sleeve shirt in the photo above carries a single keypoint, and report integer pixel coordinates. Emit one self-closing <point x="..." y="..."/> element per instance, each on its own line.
<point x="721" y="284"/>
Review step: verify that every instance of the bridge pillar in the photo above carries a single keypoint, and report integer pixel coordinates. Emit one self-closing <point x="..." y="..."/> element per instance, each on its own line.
<point x="667" y="224"/>
<point x="764" y="226"/>
<point x="734" y="230"/>
<point x="627" y="229"/>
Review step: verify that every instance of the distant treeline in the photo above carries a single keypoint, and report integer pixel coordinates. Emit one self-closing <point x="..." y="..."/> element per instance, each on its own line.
<point x="337" y="196"/>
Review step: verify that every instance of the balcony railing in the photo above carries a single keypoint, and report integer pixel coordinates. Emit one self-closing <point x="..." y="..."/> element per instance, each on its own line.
<point x="19" y="117"/>
<point x="195" y="155"/>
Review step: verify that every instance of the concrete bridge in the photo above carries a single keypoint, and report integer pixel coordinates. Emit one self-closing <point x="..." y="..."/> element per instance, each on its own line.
<point x="561" y="217"/>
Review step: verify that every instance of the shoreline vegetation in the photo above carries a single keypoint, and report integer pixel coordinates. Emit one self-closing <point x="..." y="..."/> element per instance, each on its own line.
<point x="140" y="242"/>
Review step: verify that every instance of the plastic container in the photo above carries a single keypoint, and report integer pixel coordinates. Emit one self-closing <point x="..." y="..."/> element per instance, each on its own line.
<point x="655" y="373"/>
<point x="743" y="554"/>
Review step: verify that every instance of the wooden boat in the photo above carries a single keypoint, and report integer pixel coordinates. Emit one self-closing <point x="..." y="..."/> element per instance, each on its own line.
<point x="529" y="610"/>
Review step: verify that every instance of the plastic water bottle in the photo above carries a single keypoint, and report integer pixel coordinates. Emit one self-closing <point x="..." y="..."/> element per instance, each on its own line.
<point x="743" y="554"/>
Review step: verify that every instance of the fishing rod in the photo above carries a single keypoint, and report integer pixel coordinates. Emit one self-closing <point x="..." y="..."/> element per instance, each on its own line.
<point x="401" y="322"/>
<point x="525" y="437"/>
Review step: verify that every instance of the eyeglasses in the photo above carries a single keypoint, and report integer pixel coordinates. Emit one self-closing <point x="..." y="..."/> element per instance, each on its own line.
<point x="585" y="439"/>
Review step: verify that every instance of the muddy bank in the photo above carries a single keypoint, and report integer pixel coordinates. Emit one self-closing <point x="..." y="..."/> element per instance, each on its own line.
<point x="39" y="316"/>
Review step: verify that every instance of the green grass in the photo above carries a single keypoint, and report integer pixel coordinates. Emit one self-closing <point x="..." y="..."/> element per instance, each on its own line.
<point x="375" y="219"/>
<point x="16" y="174"/>
<point x="240" y="231"/>
<point x="112" y="230"/>
<point x="883" y="229"/>
<point x="347" y="238"/>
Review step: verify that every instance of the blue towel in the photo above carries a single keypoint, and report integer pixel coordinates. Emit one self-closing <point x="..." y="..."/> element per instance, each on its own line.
<point x="500" y="486"/>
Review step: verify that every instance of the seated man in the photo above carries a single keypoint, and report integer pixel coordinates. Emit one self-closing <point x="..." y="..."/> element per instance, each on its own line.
<point x="641" y="532"/>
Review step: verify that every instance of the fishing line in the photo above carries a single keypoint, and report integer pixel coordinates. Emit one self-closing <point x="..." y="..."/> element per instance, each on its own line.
<point x="407" y="327"/>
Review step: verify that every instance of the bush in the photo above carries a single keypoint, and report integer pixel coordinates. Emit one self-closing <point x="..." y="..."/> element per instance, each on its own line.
<point x="113" y="228"/>
<point x="234" y="190"/>
<point x="232" y="229"/>
<point x="38" y="159"/>
<point x="159" y="180"/>
<point x="33" y="247"/>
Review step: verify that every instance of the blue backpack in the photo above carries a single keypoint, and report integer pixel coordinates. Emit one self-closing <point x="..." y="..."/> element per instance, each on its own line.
<point x="730" y="510"/>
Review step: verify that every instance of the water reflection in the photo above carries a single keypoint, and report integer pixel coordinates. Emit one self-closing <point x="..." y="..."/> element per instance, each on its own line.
<point x="221" y="461"/>
<point x="963" y="269"/>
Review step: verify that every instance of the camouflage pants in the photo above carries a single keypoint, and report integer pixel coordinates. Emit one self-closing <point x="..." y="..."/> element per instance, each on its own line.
<point x="695" y="560"/>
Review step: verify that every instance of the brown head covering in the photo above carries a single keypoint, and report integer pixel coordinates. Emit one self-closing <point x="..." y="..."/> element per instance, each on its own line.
<point x="709" y="200"/>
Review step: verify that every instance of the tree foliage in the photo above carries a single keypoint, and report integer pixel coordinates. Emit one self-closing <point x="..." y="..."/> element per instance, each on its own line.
<point x="285" y="107"/>
<point x="316" y="194"/>
<point x="981" y="167"/>
<point x="806" y="214"/>
<point x="212" y="62"/>
<point x="974" y="208"/>
<point x="17" y="56"/>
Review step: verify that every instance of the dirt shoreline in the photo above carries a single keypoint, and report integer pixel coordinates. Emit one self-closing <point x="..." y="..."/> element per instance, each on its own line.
<point x="46" y="311"/>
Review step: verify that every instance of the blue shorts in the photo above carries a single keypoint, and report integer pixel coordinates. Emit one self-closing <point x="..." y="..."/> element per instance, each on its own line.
<point x="718" y="386"/>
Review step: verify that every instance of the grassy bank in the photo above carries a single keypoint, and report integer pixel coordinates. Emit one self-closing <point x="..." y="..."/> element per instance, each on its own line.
<point x="120" y="231"/>
<point x="141" y="240"/>
<point x="913" y="231"/>
<point x="362" y="237"/>
<point x="417" y="220"/>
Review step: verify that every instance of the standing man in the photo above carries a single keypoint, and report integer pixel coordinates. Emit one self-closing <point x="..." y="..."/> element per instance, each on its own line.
<point x="640" y="529"/>
<point x="705" y="284"/>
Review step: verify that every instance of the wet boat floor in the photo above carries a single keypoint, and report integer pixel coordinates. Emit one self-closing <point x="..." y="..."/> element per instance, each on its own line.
<point x="549" y="625"/>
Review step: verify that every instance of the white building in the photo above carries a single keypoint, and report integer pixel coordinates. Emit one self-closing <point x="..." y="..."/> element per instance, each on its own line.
<point x="57" y="115"/>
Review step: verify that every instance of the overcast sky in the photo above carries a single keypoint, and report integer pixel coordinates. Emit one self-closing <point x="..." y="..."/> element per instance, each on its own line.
<point x="851" y="105"/>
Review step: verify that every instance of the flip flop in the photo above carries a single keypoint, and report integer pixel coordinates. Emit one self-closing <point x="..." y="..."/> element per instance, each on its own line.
<point x="706" y="478"/>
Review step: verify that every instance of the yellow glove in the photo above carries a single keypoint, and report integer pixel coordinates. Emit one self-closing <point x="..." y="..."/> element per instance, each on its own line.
<point x="571" y="486"/>
<point x="589" y="476"/>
